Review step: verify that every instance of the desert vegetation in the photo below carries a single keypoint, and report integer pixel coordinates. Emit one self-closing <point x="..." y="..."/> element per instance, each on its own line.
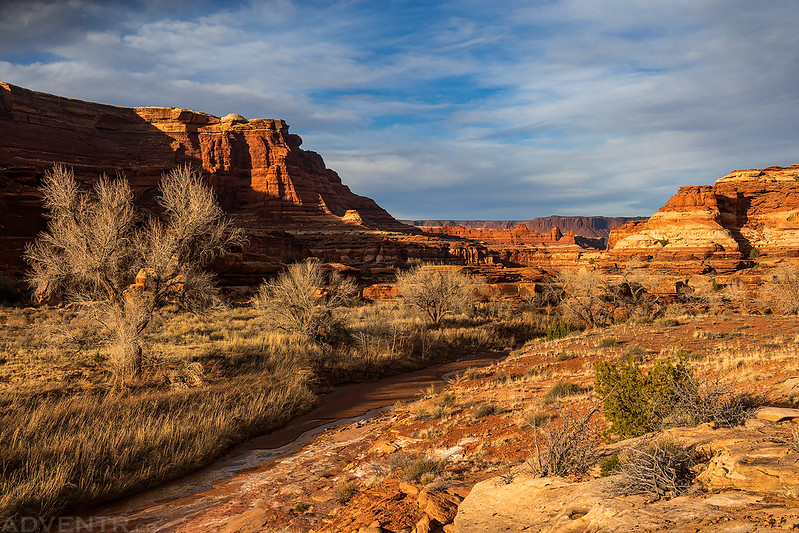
<point x="100" y="253"/>
<point x="437" y="292"/>
<point x="207" y="380"/>
<point x="142" y="372"/>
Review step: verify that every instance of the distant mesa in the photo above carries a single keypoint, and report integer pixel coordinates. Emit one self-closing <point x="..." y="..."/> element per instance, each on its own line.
<point x="592" y="231"/>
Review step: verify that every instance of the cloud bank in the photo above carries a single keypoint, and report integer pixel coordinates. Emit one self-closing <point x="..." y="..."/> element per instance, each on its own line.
<point x="459" y="109"/>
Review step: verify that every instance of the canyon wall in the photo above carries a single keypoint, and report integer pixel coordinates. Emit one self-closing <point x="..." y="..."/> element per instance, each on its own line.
<point x="747" y="218"/>
<point x="594" y="228"/>
<point x="286" y="199"/>
<point x="292" y="206"/>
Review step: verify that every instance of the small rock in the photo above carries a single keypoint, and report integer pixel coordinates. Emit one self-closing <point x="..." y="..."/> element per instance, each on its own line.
<point x="777" y="414"/>
<point x="408" y="489"/>
<point x="384" y="448"/>
<point x="423" y="525"/>
<point x="374" y="527"/>
<point x="439" y="506"/>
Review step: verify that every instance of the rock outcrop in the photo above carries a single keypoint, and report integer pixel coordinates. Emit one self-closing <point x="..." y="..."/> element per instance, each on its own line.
<point x="521" y="235"/>
<point x="286" y="199"/>
<point x="748" y="214"/>
<point x="750" y="479"/>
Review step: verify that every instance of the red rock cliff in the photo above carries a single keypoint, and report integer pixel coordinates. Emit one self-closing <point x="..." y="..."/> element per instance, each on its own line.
<point x="717" y="227"/>
<point x="285" y="197"/>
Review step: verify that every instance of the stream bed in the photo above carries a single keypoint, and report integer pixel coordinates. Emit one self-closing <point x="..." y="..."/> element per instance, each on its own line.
<point x="168" y="507"/>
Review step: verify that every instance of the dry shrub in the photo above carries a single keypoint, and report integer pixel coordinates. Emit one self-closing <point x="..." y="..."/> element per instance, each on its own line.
<point x="782" y="289"/>
<point x="97" y="246"/>
<point x="346" y="489"/>
<point x="698" y="402"/>
<point x="486" y="409"/>
<point x="436" y="291"/>
<point x="562" y="389"/>
<point x="302" y="299"/>
<point x="595" y="301"/>
<point x="658" y="466"/>
<point x="419" y="468"/>
<point x="569" y="444"/>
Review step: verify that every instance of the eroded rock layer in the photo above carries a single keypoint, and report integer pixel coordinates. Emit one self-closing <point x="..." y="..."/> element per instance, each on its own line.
<point x="290" y="204"/>
<point x="746" y="215"/>
<point x="590" y="228"/>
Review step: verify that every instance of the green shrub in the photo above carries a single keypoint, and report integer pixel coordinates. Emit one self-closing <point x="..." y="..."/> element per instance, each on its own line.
<point x="636" y="403"/>
<point x="610" y="466"/>
<point x="754" y="253"/>
<point x="558" y="330"/>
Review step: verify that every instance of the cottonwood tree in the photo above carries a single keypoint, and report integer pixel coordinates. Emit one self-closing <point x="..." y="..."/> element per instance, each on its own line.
<point x="595" y="299"/>
<point x="99" y="252"/>
<point x="586" y="297"/>
<point x="302" y="298"/>
<point x="633" y="290"/>
<point x="436" y="291"/>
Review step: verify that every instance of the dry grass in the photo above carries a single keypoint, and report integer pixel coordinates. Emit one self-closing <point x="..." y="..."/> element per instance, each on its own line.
<point x="211" y="381"/>
<point x="61" y="451"/>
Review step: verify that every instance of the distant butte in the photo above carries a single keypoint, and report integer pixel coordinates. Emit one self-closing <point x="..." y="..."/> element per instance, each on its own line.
<point x="747" y="218"/>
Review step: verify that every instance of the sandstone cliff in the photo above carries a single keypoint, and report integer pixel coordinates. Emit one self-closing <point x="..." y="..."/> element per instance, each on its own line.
<point x="286" y="199"/>
<point x="748" y="214"/>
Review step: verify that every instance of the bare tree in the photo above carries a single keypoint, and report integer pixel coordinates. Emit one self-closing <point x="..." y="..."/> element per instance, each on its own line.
<point x="100" y="253"/>
<point x="586" y="297"/>
<point x="633" y="291"/>
<point x="302" y="299"/>
<point x="436" y="291"/>
<point x="594" y="299"/>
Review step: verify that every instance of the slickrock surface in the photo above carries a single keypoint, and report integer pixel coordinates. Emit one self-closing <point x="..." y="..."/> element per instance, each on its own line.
<point x="746" y="214"/>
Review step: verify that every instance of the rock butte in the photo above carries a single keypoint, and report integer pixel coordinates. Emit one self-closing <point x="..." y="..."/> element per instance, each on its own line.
<point x="289" y="203"/>
<point x="746" y="215"/>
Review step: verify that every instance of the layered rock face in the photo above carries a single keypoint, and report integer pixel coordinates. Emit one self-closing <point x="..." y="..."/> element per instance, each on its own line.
<point x="521" y="235"/>
<point x="746" y="214"/>
<point x="289" y="203"/>
<point x="522" y="246"/>
<point x="589" y="228"/>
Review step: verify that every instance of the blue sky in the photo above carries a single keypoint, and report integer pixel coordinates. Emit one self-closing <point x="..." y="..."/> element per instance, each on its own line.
<point x="461" y="109"/>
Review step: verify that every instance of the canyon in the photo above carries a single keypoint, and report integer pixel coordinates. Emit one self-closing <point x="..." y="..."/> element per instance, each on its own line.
<point x="292" y="206"/>
<point x="594" y="230"/>
<point x="289" y="203"/>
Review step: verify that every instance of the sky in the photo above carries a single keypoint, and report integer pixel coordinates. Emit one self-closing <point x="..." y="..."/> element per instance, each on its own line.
<point x="454" y="109"/>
